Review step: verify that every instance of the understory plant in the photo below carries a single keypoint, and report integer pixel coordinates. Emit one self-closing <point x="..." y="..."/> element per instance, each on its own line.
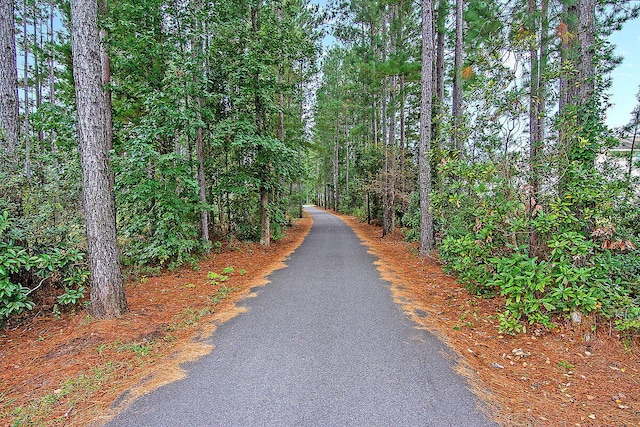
<point x="583" y="261"/>
<point x="24" y="271"/>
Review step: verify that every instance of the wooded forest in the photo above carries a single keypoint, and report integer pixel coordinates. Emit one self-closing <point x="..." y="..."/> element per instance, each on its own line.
<point x="139" y="135"/>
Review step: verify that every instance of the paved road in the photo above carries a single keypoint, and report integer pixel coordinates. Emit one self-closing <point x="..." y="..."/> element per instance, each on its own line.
<point x="322" y="345"/>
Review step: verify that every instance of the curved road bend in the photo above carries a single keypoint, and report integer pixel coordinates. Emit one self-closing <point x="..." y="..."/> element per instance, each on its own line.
<point x="322" y="345"/>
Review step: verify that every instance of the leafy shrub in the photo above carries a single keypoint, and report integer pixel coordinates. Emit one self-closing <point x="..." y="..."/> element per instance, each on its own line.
<point x="466" y="257"/>
<point x="158" y="208"/>
<point x="54" y="266"/>
<point x="523" y="281"/>
<point x="487" y="228"/>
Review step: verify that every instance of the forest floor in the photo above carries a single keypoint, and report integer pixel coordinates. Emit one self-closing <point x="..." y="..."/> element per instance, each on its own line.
<point x="71" y="370"/>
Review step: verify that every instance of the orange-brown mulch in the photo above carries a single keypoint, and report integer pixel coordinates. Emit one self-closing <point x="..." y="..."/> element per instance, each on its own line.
<point x="570" y="376"/>
<point x="73" y="370"/>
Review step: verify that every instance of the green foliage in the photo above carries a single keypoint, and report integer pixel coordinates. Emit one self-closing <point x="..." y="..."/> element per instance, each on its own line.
<point x="486" y="243"/>
<point x="411" y="219"/>
<point x="158" y="208"/>
<point x="223" y="293"/>
<point x="215" y="277"/>
<point x="465" y="257"/>
<point x="54" y="267"/>
<point x="71" y="296"/>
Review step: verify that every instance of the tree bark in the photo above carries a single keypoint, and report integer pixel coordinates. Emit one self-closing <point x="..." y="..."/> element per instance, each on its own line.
<point x="265" y="234"/>
<point x="202" y="182"/>
<point x="27" y="106"/>
<point x="586" y="40"/>
<point x="456" y="109"/>
<point x="633" y="146"/>
<point x="265" y="220"/>
<point x="9" y="108"/>
<point x="51" y="76"/>
<point x="439" y="71"/>
<point x="426" y="217"/>
<point x="107" y="292"/>
<point x="103" y="10"/>
<point x="534" y="122"/>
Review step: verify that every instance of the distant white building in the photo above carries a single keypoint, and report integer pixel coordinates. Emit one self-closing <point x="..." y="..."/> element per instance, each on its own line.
<point x="617" y="158"/>
<point x="627" y="149"/>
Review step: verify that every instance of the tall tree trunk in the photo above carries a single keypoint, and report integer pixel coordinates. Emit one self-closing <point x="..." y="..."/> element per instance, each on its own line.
<point x="386" y="220"/>
<point x="107" y="292"/>
<point x="534" y="121"/>
<point x="51" y="75"/>
<point x="426" y="217"/>
<point x="336" y="169"/>
<point x="577" y="102"/>
<point x="51" y="72"/>
<point x="456" y="108"/>
<point x="27" y="106"/>
<point x="9" y="108"/>
<point x="36" y="58"/>
<point x="346" y="158"/>
<point x="586" y="39"/>
<point x="265" y="234"/>
<point x="440" y="25"/>
<point x="389" y="225"/>
<point x="265" y="220"/>
<point x="202" y="182"/>
<point x="403" y="138"/>
<point x="103" y="10"/>
<point x="633" y="146"/>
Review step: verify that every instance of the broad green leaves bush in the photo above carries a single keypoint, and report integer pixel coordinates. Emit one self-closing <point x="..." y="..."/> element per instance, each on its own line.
<point x="487" y="227"/>
<point x="55" y="267"/>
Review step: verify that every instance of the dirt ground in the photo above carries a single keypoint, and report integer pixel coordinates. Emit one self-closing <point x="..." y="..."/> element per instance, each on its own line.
<point x="72" y="370"/>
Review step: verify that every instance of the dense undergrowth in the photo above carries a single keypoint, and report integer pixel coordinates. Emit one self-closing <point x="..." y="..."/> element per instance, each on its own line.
<point x="43" y="262"/>
<point x="569" y="256"/>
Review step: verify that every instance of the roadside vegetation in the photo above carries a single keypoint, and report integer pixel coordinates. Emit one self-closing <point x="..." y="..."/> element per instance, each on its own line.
<point x="530" y="197"/>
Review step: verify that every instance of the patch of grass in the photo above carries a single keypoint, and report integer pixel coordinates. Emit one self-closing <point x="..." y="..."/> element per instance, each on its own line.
<point x="38" y="412"/>
<point x="215" y="277"/>
<point x="187" y="318"/>
<point x="223" y="293"/>
<point x="140" y="349"/>
<point x="566" y="365"/>
<point x="102" y="347"/>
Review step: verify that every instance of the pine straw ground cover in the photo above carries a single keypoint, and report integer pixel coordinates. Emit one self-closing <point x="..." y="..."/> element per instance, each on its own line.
<point x="569" y="376"/>
<point x="75" y="371"/>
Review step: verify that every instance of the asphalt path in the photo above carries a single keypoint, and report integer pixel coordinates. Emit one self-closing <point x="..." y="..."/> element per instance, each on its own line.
<point x="323" y="344"/>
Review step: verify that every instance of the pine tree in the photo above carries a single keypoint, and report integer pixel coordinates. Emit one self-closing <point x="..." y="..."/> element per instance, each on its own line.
<point x="9" y="109"/>
<point x="426" y="217"/>
<point x="107" y="291"/>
